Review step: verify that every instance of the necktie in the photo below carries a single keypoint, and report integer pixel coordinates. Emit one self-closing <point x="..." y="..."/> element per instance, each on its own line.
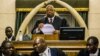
<point x="50" y="20"/>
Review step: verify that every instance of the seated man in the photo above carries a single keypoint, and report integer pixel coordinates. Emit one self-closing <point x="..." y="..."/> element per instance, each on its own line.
<point x="9" y="34"/>
<point x="92" y="47"/>
<point x="7" y="49"/>
<point x="41" y="49"/>
<point x="50" y="18"/>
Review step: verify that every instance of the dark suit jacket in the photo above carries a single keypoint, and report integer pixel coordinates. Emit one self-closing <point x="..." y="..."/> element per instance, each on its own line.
<point x="54" y="52"/>
<point x="57" y="23"/>
<point x="13" y="38"/>
<point x="84" y="52"/>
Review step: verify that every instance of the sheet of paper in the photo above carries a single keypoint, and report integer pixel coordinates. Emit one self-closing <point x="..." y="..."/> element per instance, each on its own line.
<point x="48" y="29"/>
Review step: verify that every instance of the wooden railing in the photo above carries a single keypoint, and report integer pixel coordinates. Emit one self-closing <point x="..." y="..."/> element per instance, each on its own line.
<point x="70" y="47"/>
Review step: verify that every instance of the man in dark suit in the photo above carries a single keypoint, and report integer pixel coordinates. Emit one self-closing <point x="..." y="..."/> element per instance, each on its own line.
<point x="7" y="49"/>
<point x="9" y="33"/>
<point x="50" y="18"/>
<point x="92" y="47"/>
<point x="41" y="49"/>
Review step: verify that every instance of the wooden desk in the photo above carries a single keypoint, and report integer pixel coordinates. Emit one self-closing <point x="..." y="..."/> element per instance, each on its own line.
<point x="46" y="37"/>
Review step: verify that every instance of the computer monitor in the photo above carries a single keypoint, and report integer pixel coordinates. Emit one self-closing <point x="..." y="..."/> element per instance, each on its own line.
<point x="72" y="33"/>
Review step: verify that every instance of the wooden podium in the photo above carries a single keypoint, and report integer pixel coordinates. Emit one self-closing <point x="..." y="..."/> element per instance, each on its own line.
<point x="47" y="36"/>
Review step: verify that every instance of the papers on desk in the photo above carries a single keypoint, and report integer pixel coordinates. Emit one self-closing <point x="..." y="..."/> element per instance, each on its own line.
<point x="48" y="29"/>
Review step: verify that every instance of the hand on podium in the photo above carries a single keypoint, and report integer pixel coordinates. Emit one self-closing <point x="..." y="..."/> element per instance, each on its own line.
<point x="56" y="32"/>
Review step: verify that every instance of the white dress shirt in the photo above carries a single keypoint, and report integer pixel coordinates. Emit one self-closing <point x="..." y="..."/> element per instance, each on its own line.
<point x="95" y="54"/>
<point x="3" y="54"/>
<point x="46" y="52"/>
<point x="10" y="39"/>
<point x="50" y="19"/>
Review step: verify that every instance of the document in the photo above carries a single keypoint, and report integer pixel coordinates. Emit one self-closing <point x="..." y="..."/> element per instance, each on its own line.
<point x="48" y="29"/>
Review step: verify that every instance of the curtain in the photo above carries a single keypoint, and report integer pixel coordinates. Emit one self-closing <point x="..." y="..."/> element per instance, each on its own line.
<point x="19" y="19"/>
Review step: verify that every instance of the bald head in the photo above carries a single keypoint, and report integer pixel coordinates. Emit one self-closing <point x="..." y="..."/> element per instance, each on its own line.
<point x="40" y="44"/>
<point x="92" y="44"/>
<point x="50" y="6"/>
<point x="39" y="39"/>
<point x="93" y="40"/>
<point x="50" y="10"/>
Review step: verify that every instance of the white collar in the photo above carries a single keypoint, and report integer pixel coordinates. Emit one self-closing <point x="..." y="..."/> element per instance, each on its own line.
<point x="47" y="52"/>
<point x="10" y="39"/>
<point x="3" y="54"/>
<point x="51" y="18"/>
<point x="96" y="53"/>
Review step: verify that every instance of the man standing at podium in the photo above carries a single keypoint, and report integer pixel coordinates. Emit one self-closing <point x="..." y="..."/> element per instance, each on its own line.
<point x="50" y="18"/>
